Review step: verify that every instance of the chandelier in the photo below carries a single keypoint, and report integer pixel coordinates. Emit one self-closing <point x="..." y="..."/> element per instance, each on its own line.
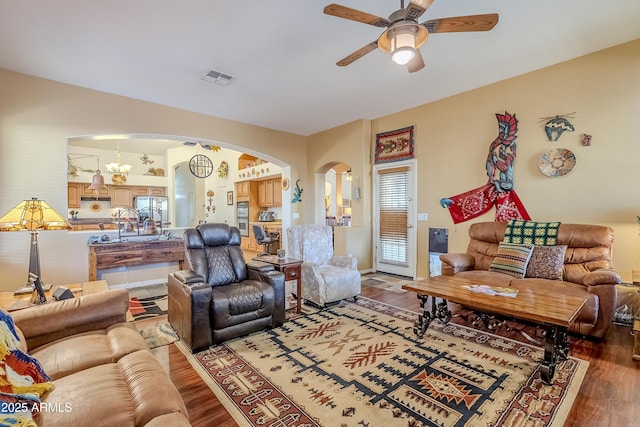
<point x="117" y="170"/>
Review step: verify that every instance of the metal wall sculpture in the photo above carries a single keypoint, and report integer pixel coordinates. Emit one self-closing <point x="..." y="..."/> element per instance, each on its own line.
<point x="498" y="190"/>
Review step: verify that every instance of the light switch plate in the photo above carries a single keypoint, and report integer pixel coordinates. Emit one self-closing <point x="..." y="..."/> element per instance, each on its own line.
<point x="423" y="217"/>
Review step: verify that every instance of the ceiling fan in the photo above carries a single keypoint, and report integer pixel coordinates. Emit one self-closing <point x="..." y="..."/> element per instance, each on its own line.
<point x="404" y="35"/>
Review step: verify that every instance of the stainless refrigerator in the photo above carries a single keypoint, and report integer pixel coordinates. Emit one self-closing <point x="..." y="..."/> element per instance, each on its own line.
<point x="149" y="207"/>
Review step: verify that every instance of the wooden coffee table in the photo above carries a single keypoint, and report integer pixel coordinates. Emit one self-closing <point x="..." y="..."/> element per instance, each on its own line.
<point x="554" y="314"/>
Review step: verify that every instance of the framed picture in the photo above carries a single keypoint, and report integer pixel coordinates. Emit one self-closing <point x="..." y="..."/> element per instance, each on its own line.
<point x="229" y="197"/>
<point x="395" y="145"/>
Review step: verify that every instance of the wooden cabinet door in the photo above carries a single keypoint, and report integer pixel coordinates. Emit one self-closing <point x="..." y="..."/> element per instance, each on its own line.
<point x="268" y="190"/>
<point x="121" y="197"/>
<point x="277" y="192"/>
<point x="157" y="191"/>
<point x="262" y="194"/>
<point x="92" y="193"/>
<point x="73" y="194"/>
<point x="140" y="191"/>
<point x="242" y="191"/>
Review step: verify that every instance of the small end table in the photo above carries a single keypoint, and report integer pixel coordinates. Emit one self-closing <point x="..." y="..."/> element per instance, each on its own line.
<point x="292" y="269"/>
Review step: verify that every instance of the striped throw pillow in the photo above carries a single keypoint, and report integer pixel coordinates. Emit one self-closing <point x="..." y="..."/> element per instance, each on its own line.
<point x="512" y="259"/>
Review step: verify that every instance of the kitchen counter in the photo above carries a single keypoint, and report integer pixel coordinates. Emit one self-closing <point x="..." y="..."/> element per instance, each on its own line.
<point x="82" y="224"/>
<point x="91" y="221"/>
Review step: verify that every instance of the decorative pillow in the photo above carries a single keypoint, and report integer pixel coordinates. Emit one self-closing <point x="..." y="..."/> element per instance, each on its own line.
<point x="531" y="232"/>
<point x="546" y="262"/>
<point x="511" y="259"/>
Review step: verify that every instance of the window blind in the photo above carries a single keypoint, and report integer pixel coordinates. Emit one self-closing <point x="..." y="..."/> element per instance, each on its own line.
<point x="393" y="187"/>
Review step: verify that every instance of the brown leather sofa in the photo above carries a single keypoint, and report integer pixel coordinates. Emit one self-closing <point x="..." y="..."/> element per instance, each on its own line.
<point x="103" y="371"/>
<point x="220" y="297"/>
<point x="586" y="271"/>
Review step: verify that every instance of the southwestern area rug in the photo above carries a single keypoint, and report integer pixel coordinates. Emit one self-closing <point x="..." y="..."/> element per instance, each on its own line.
<point x="147" y="302"/>
<point x="360" y="364"/>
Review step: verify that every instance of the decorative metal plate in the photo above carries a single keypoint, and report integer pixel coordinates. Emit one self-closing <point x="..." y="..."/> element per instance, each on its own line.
<point x="557" y="162"/>
<point x="201" y="166"/>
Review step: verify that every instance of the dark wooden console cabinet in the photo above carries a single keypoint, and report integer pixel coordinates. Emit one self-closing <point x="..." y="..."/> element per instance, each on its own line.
<point x="112" y="255"/>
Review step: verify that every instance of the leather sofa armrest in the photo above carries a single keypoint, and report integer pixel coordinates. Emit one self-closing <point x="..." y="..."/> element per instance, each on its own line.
<point x="188" y="276"/>
<point x="602" y="276"/>
<point x="344" y="261"/>
<point x="455" y="263"/>
<point x="276" y="280"/>
<point x="48" y="322"/>
<point x="189" y="311"/>
<point x="260" y="266"/>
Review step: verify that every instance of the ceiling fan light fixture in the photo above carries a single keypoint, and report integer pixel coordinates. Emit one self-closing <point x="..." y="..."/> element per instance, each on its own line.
<point x="403" y="44"/>
<point x="403" y="55"/>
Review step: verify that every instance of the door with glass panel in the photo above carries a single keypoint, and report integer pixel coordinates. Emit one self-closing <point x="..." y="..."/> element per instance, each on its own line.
<point x="394" y="218"/>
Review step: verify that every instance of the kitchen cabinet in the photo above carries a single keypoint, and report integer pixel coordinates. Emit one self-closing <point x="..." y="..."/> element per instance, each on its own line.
<point x="277" y="192"/>
<point x="270" y="193"/>
<point x="121" y="196"/>
<point x="86" y="192"/>
<point x="150" y="191"/>
<point x="262" y="194"/>
<point x="73" y="194"/>
<point x="242" y="191"/>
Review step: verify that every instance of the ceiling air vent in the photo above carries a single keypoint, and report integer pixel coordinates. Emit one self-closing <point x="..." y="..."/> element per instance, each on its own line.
<point x="218" y="77"/>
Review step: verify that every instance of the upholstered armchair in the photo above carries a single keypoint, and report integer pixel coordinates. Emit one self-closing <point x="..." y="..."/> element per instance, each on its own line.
<point x="220" y="297"/>
<point x="326" y="277"/>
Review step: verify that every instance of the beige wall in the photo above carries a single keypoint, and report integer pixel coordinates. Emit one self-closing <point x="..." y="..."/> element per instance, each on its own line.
<point x="452" y="140"/>
<point x="36" y="118"/>
<point x="349" y="144"/>
<point x="453" y="136"/>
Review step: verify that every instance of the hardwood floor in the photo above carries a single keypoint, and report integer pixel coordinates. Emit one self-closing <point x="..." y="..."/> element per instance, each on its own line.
<point x="609" y="396"/>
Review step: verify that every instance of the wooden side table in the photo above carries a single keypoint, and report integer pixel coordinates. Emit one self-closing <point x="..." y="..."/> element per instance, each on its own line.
<point x="292" y="269"/>
<point x="11" y="302"/>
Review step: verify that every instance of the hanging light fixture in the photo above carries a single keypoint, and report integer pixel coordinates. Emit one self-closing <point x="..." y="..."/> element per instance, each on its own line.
<point x="117" y="170"/>
<point x="97" y="181"/>
<point x="402" y="40"/>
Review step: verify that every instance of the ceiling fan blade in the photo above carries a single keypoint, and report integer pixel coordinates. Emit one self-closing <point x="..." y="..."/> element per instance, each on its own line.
<point x="357" y="54"/>
<point x="461" y="24"/>
<point x="356" y="15"/>
<point x="416" y="63"/>
<point x="416" y="8"/>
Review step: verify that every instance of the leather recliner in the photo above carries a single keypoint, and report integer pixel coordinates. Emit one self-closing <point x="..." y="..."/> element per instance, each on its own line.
<point x="221" y="297"/>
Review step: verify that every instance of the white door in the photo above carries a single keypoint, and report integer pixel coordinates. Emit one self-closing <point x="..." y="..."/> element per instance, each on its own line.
<point x="394" y="218"/>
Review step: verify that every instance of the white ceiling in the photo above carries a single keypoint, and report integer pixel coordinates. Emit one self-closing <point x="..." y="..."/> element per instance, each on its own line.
<point x="283" y="52"/>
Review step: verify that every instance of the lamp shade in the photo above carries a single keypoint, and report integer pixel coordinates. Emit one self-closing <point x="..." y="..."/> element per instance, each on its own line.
<point x="33" y="215"/>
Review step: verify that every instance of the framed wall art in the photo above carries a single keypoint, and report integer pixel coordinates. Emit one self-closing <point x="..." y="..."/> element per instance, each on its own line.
<point x="395" y="145"/>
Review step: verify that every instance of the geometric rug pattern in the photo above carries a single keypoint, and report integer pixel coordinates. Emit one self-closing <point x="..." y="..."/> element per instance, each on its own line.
<point x="148" y="301"/>
<point x="360" y="364"/>
<point x="159" y="335"/>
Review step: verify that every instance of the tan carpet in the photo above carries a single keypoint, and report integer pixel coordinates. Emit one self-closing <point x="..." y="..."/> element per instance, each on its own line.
<point x="360" y="364"/>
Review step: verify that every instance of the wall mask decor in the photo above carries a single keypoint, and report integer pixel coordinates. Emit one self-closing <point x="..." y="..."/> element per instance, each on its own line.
<point x="555" y="126"/>
<point x="498" y="190"/>
<point x="585" y="141"/>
